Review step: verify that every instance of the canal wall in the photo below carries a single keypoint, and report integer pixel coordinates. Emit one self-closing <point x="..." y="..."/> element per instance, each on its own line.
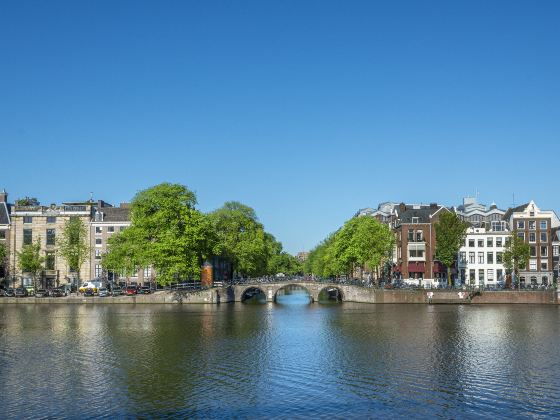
<point x="348" y="293"/>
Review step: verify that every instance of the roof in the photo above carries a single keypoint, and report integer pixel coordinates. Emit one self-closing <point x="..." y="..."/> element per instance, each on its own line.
<point x="422" y="212"/>
<point x="517" y="209"/>
<point x="115" y="214"/>
<point x="4" y="214"/>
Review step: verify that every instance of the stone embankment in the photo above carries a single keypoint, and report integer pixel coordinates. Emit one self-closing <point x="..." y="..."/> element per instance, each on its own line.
<point x="348" y="294"/>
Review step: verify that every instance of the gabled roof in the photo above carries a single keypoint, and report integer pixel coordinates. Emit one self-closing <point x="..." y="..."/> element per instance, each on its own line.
<point x="4" y="214"/>
<point x="115" y="214"/>
<point x="517" y="209"/>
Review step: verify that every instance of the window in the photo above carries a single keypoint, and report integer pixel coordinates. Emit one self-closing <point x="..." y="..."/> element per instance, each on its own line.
<point x="498" y="242"/>
<point x="50" y="236"/>
<point x="472" y="276"/>
<point x="520" y="224"/>
<point x="532" y="225"/>
<point x="98" y="230"/>
<point x="533" y="265"/>
<point x="415" y="220"/>
<point x="410" y="235"/>
<point x="555" y="251"/>
<point x="490" y="257"/>
<point x="497" y="226"/>
<point x="533" y="251"/>
<point x="534" y="280"/>
<point x="481" y="257"/>
<point x="490" y="242"/>
<point x="98" y="270"/>
<point x="481" y="243"/>
<point x="544" y="237"/>
<point x="532" y="237"/>
<point x="110" y="229"/>
<point x="471" y="243"/>
<point x="419" y="236"/>
<point x="147" y="272"/>
<point x="499" y="257"/>
<point x="544" y="265"/>
<point x="98" y="241"/>
<point x="490" y="275"/>
<point x="51" y="219"/>
<point x="544" y="251"/>
<point x="543" y="224"/>
<point x="97" y="254"/>
<point x="508" y="240"/>
<point x="2" y="234"/>
<point x="481" y="276"/>
<point x="500" y="275"/>
<point x="27" y="219"/>
<point x="471" y="257"/>
<point x="49" y="261"/>
<point x="27" y="236"/>
<point x="463" y="257"/>
<point x="416" y="253"/>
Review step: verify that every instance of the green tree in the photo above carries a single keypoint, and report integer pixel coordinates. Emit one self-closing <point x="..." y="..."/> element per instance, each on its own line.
<point x="516" y="255"/>
<point x="166" y="233"/>
<point x="3" y="257"/>
<point x="73" y="244"/>
<point x="450" y="236"/>
<point x="283" y="262"/>
<point x="241" y="239"/>
<point x="30" y="260"/>
<point x="363" y="242"/>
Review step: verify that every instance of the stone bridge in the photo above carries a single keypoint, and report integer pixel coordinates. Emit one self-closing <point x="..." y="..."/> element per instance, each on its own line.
<point x="239" y="292"/>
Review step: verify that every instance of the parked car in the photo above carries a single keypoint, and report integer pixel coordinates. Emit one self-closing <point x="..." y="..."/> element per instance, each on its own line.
<point x="103" y="292"/>
<point x="117" y="291"/>
<point x="88" y="292"/>
<point x="146" y="290"/>
<point x="41" y="293"/>
<point x="21" y="292"/>
<point x="95" y="285"/>
<point x="9" y="292"/>
<point x="58" y="292"/>
<point x="131" y="290"/>
<point x="30" y="290"/>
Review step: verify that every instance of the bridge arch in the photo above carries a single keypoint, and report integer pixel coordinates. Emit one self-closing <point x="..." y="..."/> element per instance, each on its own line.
<point x="332" y="292"/>
<point x="251" y="291"/>
<point x="312" y="297"/>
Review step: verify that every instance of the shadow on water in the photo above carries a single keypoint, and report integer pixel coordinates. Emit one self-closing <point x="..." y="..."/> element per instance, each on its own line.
<point x="253" y="296"/>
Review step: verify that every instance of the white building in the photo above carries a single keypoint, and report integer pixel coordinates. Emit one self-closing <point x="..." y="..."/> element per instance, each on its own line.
<point x="481" y="257"/>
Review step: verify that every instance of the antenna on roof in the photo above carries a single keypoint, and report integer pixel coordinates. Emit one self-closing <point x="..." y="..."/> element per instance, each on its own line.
<point x="513" y="202"/>
<point x="91" y="196"/>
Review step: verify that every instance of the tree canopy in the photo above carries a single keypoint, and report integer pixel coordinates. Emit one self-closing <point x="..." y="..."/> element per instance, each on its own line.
<point x="30" y="260"/>
<point x="516" y="254"/>
<point x="361" y="243"/>
<point x="73" y="243"/>
<point x="450" y="236"/>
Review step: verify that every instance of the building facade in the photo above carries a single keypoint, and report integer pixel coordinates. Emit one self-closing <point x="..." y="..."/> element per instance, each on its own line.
<point x="535" y="227"/>
<point x="414" y="226"/>
<point x="480" y="261"/>
<point x="5" y="233"/>
<point x="31" y="222"/>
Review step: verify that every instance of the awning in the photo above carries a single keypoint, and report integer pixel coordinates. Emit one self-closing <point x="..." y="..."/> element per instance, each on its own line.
<point x="439" y="267"/>
<point x="416" y="267"/>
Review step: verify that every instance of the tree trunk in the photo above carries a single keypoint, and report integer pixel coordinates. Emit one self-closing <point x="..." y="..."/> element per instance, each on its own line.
<point x="449" y="276"/>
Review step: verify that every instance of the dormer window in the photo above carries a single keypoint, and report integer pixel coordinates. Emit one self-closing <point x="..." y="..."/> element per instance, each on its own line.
<point x="98" y="216"/>
<point x="415" y="220"/>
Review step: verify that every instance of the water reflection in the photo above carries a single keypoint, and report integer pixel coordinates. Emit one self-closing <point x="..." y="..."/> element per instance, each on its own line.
<point x="290" y="359"/>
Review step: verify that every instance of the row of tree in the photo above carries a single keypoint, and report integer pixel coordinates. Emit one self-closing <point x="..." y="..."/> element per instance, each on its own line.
<point x="171" y="235"/>
<point x="361" y="244"/>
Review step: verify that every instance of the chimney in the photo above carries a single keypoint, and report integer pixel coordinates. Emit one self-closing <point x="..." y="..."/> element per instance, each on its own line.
<point x="433" y="205"/>
<point x="125" y="205"/>
<point x="402" y="208"/>
<point x="3" y="196"/>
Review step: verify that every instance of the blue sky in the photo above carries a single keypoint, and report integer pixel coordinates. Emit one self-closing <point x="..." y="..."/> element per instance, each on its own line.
<point x="304" y="110"/>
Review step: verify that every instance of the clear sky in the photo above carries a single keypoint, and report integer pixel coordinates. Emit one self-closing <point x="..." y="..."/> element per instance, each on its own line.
<point x="304" y="110"/>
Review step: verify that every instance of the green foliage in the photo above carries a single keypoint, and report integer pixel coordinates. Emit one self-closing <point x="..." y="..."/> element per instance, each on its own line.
<point x="3" y="253"/>
<point x="363" y="242"/>
<point x="282" y="262"/>
<point x="450" y="236"/>
<point x="516" y="254"/>
<point x="167" y="233"/>
<point x="27" y="201"/>
<point x="242" y="240"/>
<point x="73" y="243"/>
<point x="30" y="259"/>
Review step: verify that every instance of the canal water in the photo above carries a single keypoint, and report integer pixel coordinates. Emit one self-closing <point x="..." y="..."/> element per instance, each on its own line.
<point x="284" y="360"/>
